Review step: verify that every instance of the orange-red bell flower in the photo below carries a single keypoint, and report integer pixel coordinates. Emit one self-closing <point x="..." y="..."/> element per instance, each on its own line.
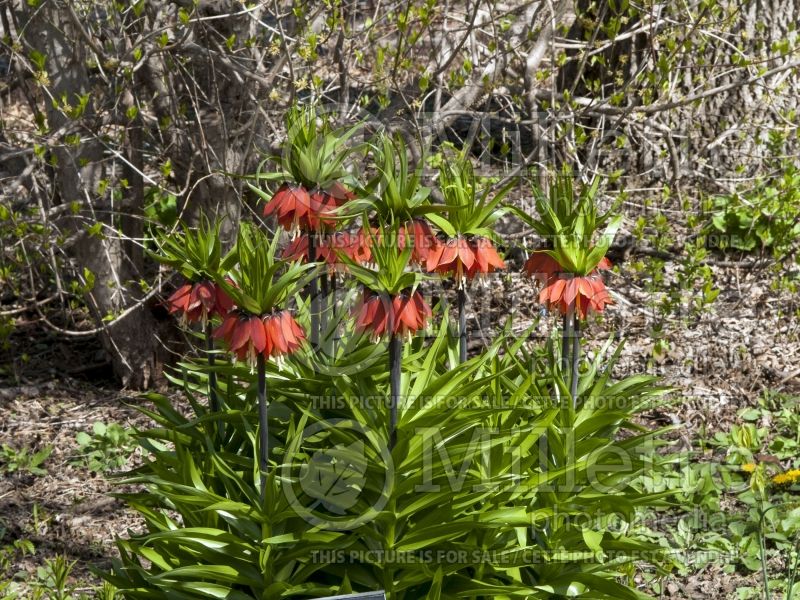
<point x="355" y="246"/>
<point x="545" y="269"/>
<point x="421" y="236"/>
<point x="340" y="193"/>
<point x="292" y="205"/>
<point x="565" y="291"/>
<point x="273" y="335"/>
<point x="358" y="248"/>
<point x="583" y="294"/>
<point x="199" y="301"/>
<point x="464" y="258"/>
<point x="542" y="267"/>
<point x="487" y="260"/>
<point x="298" y="208"/>
<point x="298" y="249"/>
<point x="403" y="314"/>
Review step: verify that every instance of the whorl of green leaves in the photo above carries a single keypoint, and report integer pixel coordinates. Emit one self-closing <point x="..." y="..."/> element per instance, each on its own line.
<point x="315" y="151"/>
<point x="262" y="282"/>
<point x="197" y="254"/>
<point x="468" y="212"/>
<point x="396" y="193"/>
<point x="570" y="223"/>
<point x="390" y="275"/>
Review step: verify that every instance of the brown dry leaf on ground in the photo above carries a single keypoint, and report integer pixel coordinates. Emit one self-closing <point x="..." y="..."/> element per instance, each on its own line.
<point x="68" y="510"/>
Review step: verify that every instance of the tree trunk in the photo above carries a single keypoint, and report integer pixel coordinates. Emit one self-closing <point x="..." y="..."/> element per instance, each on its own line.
<point x="78" y="174"/>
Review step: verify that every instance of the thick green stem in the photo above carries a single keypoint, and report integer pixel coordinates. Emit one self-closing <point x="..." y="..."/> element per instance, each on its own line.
<point x="213" y="398"/>
<point x="389" y="543"/>
<point x="576" y="357"/>
<point x="330" y="309"/>
<point x="462" y="325"/>
<point x="395" y="361"/>
<point x="566" y="332"/>
<point x="263" y="447"/>
<point x="325" y="303"/>
<point x="312" y="290"/>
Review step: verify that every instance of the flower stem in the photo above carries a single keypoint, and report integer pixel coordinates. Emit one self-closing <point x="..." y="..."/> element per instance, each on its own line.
<point x="325" y="304"/>
<point x="213" y="399"/>
<point x="793" y="573"/>
<point x="565" y="335"/>
<point x="763" y="553"/>
<point x="332" y="308"/>
<point x="462" y="324"/>
<point x="576" y="357"/>
<point x="263" y="449"/>
<point x="395" y="360"/>
<point x="312" y="290"/>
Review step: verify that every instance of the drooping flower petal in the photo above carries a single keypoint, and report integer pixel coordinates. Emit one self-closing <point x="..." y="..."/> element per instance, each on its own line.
<point x="225" y="331"/>
<point x="434" y="256"/>
<point x="487" y="260"/>
<point x="604" y="264"/>
<point x="297" y="249"/>
<point x="570" y="291"/>
<point x="465" y="253"/>
<point x="289" y="334"/>
<point x="460" y="258"/>
<point x="340" y="193"/>
<point x="275" y="331"/>
<point x="179" y="300"/>
<point x="224" y="303"/>
<point x="406" y="315"/>
<point x="296" y="208"/>
<point x="241" y="333"/>
<point x="579" y="293"/>
<point x="199" y="301"/>
<point x="403" y="314"/>
<point x="258" y="335"/>
<point x="202" y="293"/>
<point x="542" y="267"/>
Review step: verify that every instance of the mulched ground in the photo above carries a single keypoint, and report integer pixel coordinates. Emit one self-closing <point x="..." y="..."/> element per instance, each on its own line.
<point x="67" y="511"/>
<point x="718" y="363"/>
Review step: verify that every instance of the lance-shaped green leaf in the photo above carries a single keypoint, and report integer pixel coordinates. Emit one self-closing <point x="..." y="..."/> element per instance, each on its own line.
<point x="196" y="253"/>
<point x="262" y="282"/>
<point x="395" y="195"/>
<point x="467" y="211"/>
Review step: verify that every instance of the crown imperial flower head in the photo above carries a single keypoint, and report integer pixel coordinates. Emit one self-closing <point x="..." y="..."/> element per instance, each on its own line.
<point x="403" y="314"/>
<point x="199" y="302"/>
<point x="564" y="291"/>
<point x="273" y="335"/>
<point x="298" y="209"/>
<point x="463" y="258"/>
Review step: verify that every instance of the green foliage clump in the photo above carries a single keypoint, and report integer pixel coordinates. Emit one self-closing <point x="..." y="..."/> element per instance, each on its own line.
<point x="107" y="448"/>
<point x="765" y="217"/>
<point x="24" y="460"/>
<point x="497" y="484"/>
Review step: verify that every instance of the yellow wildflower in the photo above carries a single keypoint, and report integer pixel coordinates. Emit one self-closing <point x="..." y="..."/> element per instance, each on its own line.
<point x="788" y="478"/>
<point x="749" y="467"/>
